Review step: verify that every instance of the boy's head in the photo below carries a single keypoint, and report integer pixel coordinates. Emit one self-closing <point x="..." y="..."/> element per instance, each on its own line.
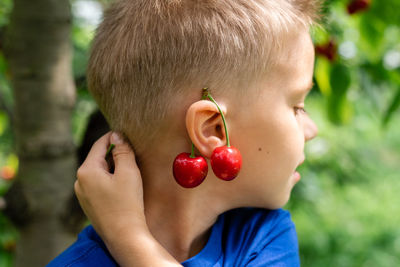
<point x="150" y="60"/>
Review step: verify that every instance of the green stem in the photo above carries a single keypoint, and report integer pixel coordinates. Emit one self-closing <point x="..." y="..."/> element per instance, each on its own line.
<point x="192" y="154"/>
<point x="109" y="149"/>
<point x="206" y="94"/>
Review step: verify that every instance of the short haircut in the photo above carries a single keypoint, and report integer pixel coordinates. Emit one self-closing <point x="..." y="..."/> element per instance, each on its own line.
<point x="146" y="52"/>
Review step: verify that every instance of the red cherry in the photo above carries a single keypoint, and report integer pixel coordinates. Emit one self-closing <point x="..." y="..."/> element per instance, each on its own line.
<point x="189" y="172"/>
<point x="328" y="50"/>
<point x="357" y="6"/>
<point x="226" y="162"/>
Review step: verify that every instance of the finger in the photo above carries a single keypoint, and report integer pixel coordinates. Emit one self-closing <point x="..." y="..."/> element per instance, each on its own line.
<point x="123" y="155"/>
<point x="96" y="155"/>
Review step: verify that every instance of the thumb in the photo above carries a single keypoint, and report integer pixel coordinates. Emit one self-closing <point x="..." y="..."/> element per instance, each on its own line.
<point x="123" y="155"/>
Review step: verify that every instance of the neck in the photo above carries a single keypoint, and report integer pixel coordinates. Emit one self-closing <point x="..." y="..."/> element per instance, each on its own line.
<point x="180" y="227"/>
<point x="180" y="219"/>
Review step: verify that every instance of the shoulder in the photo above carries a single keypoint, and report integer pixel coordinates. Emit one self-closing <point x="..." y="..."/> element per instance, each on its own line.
<point x="260" y="237"/>
<point x="88" y="250"/>
<point x="258" y="222"/>
<point x="257" y="217"/>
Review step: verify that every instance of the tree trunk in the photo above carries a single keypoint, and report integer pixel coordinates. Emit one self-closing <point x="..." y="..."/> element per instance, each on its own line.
<point x="38" y="50"/>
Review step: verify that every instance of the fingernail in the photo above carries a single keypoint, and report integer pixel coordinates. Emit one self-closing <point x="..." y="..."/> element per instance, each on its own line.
<point x="116" y="138"/>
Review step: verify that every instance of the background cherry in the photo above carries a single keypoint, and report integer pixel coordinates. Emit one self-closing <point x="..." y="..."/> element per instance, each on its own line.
<point x="328" y="50"/>
<point x="357" y="6"/>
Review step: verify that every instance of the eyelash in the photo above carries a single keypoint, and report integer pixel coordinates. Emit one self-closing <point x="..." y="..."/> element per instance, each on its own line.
<point x="296" y="109"/>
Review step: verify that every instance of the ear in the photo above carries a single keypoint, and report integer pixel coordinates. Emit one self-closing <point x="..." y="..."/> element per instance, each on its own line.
<point x="205" y="126"/>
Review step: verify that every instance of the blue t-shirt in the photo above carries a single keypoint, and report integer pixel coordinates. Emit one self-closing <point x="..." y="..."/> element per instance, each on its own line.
<point x="239" y="237"/>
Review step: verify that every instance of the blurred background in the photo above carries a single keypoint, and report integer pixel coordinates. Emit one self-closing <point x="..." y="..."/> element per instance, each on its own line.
<point x="347" y="205"/>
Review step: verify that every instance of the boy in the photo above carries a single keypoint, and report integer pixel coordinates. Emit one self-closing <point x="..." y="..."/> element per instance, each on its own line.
<point x="149" y="62"/>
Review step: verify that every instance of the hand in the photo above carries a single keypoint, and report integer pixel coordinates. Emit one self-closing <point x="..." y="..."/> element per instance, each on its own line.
<point x="112" y="202"/>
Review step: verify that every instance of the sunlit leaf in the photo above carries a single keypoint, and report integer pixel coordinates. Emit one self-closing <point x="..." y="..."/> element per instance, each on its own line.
<point x="3" y="122"/>
<point x="12" y="161"/>
<point x="322" y="75"/>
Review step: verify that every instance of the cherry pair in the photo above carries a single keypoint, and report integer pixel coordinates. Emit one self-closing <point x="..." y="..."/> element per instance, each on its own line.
<point x="190" y="170"/>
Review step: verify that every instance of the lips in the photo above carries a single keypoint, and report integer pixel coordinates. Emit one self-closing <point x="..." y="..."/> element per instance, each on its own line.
<point x="296" y="176"/>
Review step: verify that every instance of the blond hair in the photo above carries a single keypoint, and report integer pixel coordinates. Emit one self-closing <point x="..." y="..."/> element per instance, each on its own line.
<point x="145" y="52"/>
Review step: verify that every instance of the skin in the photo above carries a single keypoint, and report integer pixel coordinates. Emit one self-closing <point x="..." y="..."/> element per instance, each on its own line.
<point x="128" y="208"/>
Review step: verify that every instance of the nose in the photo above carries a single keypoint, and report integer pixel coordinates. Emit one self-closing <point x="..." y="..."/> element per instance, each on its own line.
<point x="310" y="129"/>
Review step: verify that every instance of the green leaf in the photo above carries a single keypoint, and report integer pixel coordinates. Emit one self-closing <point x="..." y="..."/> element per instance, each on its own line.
<point x="322" y="75"/>
<point x="3" y="122"/>
<point x="339" y="109"/>
<point x="12" y="161"/>
<point x="395" y="104"/>
<point x="372" y="32"/>
<point x="339" y="79"/>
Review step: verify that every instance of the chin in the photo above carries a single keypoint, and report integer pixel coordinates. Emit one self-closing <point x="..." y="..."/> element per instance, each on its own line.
<point x="282" y="201"/>
<point x="277" y="204"/>
<point x="274" y="201"/>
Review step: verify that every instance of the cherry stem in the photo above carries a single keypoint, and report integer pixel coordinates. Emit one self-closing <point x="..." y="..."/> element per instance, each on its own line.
<point x="192" y="155"/>
<point x="110" y="148"/>
<point x="206" y="94"/>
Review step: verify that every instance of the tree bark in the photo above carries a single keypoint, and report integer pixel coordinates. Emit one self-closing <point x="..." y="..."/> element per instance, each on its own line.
<point x="38" y="50"/>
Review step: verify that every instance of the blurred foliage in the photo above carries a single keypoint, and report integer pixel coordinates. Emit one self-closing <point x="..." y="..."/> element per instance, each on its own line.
<point x="367" y="62"/>
<point x="5" y="8"/>
<point x="346" y="207"/>
<point x="8" y="159"/>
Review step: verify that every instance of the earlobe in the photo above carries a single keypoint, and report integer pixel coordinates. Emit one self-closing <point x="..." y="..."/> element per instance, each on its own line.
<point x="205" y="126"/>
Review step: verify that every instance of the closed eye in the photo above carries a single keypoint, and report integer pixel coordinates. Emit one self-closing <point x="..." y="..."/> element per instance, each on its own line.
<point x="297" y="110"/>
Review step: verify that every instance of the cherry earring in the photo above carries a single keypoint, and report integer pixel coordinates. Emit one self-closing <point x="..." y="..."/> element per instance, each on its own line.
<point x="189" y="170"/>
<point x="226" y="161"/>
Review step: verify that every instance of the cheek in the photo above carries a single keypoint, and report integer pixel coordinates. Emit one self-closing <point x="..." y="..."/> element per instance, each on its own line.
<point x="284" y="146"/>
<point x="260" y="146"/>
<point x="268" y="140"/>
<point x="271" y="149"/>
